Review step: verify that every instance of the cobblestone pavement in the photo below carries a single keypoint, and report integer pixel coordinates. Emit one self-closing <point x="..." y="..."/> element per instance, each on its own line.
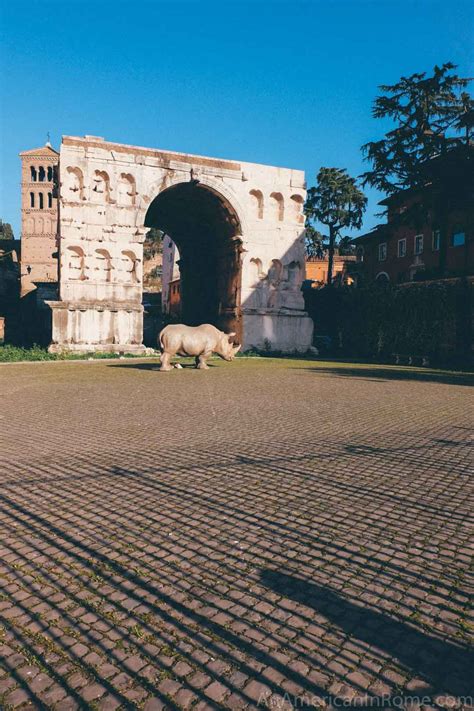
<point x="267" y="532"/>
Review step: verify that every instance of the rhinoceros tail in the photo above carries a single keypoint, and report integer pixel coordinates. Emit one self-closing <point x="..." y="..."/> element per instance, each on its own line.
<point x="160" y="339"/>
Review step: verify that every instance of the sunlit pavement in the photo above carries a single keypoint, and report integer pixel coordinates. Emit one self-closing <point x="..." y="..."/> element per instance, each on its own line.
<point x="262" y="534"/>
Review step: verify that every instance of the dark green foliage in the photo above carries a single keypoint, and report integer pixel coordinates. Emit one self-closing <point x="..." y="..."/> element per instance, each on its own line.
<point x="431" y="115"/>
<point x="6" y="231"/>
<point x="423" y="320"/>
<point x="153" y="243"/>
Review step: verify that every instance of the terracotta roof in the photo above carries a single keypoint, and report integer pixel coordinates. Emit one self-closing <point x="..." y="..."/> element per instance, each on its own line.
<point x="43" y="151"/>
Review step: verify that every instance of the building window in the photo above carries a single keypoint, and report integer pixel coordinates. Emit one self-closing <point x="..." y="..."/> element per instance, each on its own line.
<point x="33" y="173"/>
<point x="418" y="244"/>
<point x="50" y="200"/>
<point x="436" y="240"/>
<point x="41" y="201"/>
<point x="50" y="173"/>
<point x="458" y="239"/>
<point x="41" y="174"/>
<point x="32" y="199"/>
<point x="402" y="247"/>
<point x="382" y="252"/>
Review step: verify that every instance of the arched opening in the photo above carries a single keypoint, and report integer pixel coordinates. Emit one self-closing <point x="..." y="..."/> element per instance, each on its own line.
<point x="41" y="174"/>
<point x="206" y="231"/>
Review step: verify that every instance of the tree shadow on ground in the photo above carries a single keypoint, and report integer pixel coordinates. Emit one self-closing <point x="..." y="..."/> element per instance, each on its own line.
<point x="442" y="664"/>
<point x="384" y="373"/>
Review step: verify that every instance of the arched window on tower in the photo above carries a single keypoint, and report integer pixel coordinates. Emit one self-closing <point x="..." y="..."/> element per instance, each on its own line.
<point x="50" y="200"/>
<point x="41" y="174"/>
<point x="50" y="173"/>
<point x="33" y="173"/>
<point x="32" y="199"/>
<point x="41" y="201"/>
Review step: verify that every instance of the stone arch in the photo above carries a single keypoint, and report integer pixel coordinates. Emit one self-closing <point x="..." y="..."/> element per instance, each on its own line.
<point x="297" y="204"/>
<point x="76" y="263"/>
<point x="74" y="183"/>
<point x="29" y="225"/>
<point x="256" y="197"/>
<point x="100" y="190"/>
<point x="39" y="226"/>
<point x="382" y="278"/>
<point x="126" y="190"/>
<point x="277" y="206"/>
<point x="215" y="185"/>
<point x="206" y="228"/>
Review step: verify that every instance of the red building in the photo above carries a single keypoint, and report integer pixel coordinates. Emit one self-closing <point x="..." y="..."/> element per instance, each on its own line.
<point x="409" y="247"/>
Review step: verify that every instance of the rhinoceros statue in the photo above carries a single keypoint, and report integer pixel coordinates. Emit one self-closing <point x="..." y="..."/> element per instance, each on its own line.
<point x="198" y="341"/>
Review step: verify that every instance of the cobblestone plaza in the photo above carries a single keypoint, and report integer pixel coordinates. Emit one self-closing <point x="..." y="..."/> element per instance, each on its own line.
<point x="265" y="534"/>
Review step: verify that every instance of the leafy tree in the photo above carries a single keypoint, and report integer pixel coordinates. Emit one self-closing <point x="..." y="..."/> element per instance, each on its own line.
<point x="336" y="202"/>
<point x="346" y="246"/>
<point x="313" y="240"/>
<point x="432" y="116"/>
<point x="153" y="243"/>
<point x="6" y="231"/>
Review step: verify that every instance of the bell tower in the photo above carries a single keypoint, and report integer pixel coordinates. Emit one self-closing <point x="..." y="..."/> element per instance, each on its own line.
<point x="39" y="217"/>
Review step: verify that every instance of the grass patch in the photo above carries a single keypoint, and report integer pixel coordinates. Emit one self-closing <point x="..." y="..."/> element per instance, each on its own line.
<point x="15" y="354"/>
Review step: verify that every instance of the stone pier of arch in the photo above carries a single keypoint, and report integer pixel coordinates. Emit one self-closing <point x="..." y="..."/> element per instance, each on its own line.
<point x="246" y="219"/>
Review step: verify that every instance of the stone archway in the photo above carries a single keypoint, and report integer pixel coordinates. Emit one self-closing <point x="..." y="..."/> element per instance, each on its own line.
<point x="225" y="216"/>
<point x="207" y="231"/>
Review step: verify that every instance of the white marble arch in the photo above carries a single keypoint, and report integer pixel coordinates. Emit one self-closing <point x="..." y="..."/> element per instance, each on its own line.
<point x="119" y="228"/>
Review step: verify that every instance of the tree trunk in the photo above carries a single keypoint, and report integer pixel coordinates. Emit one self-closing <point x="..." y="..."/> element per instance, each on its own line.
<point x="332" y="237"/>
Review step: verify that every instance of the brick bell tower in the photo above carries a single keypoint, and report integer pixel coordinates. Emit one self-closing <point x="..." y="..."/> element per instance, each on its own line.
<point x="39" y="217"/>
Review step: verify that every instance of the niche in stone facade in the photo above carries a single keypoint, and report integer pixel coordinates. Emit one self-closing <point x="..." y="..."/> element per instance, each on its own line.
<point x="103" y="266"/>
<point x="100" y="189"/>
<point x="126" y="190"/>
<point x="297" y="203"/>
<point x="293" y="270"/>
<point x="130" y="264"/>
<point x="257" y="203"/>
<point x="277" y="206"/>
<point x="76" y="264"/>
<point x="74" y="184"/>
<point x="39" y="226"/>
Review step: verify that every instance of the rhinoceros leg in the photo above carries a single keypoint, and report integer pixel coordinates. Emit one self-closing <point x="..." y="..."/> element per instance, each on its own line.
<point x="201" y="361"/>
<point x="165" y="361"/>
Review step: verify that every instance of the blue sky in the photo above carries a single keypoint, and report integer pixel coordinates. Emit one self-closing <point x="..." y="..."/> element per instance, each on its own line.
<point x="283" y="83"/>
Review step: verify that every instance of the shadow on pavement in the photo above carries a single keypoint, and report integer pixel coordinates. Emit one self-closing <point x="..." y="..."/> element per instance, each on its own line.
<point x="381" y="374"/>
<point x="441" y="663"/>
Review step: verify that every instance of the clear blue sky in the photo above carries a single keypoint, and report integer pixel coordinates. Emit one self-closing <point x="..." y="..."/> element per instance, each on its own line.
<point x="283" y="83"/>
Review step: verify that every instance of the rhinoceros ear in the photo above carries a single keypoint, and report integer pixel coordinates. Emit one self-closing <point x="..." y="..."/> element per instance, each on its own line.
<point x="230" y="336"/>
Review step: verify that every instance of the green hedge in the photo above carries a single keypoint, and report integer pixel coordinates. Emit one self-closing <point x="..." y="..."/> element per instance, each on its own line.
<point x="426" y="320"/>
